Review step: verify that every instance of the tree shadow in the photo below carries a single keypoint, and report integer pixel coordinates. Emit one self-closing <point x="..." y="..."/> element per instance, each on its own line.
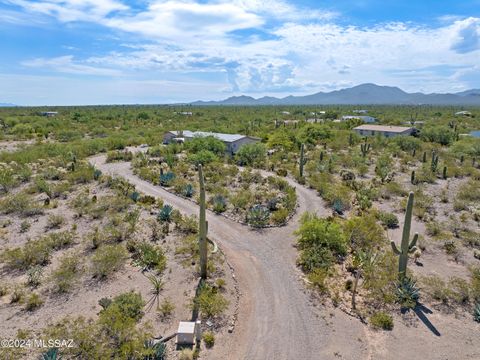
<point x="420" y="310"/>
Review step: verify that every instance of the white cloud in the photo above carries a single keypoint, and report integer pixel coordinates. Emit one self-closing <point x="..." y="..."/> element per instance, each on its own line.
<point x="65" y="64"/>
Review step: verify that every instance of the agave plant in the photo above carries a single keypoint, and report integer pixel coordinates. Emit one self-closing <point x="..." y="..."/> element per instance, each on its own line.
<point x="188" y="191"/>
<point x="476" y="312"/>
<point x="135" y="196"/>
<point x="51" y="354"/>
<point x="219" y="204"/>
<point x="407" y="292"/>
<point x="165" y="214"/>
<point x="258" y="215"/>
<point x="157" y="351"/>
<point x="167" y="178"/>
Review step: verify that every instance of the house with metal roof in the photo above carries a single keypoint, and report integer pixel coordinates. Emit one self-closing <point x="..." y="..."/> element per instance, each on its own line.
<point x="366" y="119"/>
<point x="384" y="130"/>
<point x="233" y="141"/>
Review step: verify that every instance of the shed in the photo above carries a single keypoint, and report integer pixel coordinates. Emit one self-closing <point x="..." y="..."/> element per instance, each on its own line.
<point x="186" y="333"/>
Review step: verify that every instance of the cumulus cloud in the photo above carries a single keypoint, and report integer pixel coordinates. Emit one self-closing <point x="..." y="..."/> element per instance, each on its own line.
<point x="466" y="35"/>
<point x="66" y="64"/>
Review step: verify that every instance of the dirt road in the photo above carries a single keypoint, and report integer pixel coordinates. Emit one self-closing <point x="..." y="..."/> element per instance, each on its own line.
<point x="276" y="319"/>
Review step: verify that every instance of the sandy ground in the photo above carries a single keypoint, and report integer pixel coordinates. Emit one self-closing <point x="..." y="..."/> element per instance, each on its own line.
<point x="278" y="318"/>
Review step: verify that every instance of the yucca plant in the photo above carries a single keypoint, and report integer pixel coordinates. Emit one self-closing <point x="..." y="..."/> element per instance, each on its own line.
<point x="157" y="286"/>
<point x="407" y="292"/>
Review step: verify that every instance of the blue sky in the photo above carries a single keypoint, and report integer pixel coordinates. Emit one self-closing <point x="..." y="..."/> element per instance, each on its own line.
<point x="159" y="51"/>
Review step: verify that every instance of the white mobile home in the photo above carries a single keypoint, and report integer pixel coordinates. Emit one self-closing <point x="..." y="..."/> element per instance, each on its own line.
<point x="384" y="130"/>
<point x="233" y="141"/>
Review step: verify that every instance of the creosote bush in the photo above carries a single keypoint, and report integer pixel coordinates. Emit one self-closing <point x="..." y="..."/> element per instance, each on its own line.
<point x="107" y="259"/>
<point x="381" y="320"/>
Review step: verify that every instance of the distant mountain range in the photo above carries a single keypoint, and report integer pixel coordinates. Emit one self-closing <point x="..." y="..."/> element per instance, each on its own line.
<point x="366" y="94"/>
<point x="6" y="105"/>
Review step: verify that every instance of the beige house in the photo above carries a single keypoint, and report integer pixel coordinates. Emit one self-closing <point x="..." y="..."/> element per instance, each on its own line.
<point x="233" y="141"/>
<point x="384" y="130"/>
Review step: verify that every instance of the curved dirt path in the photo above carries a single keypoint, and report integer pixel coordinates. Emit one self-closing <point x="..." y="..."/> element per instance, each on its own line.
<point x="276" y="318"/>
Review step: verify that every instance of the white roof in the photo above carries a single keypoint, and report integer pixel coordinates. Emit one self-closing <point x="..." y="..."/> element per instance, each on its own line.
<point x="186" y="327"/>
<point x="383" y="128"/>
<point x="223" y="137"/>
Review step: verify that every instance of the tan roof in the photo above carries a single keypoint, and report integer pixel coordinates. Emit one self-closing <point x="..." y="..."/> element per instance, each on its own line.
<point x="383" y="128"/>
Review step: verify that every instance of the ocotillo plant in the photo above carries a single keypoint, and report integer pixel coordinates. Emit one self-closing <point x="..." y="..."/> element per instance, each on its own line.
<point x="202" y="226"/>
<point x="434" y="163"/>
<point x="406" y="247"/>
<point x="412" y="177"/>
<point x="444" y="172"/>
<point x="302" y="159"/>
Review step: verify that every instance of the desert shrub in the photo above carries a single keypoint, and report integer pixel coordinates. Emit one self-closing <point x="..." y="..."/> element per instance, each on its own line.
<point x="60" y="240"/>
<point x="3" y="289"/>
<point x="210" y="302"/>
<point x="388" y="220"/>
<point x="17" y="295"/>
<point x="279" y="217"/>
<point x="241" y="199"/>
<point x="209" y="143"/>
<point x="34" y="275"/>
<point x="187" y="224"/>
<point x="381" y="320"/>
<point x="252" y="155"/>
<point x="20" y="204"/>
<point x="66" y="273"/>
<point x="129" y="304"/>
<point x="116" y="155"/>
<point x="317" y="278"/>
<point x="35" y="252"/>
<point x="108" y="259"/>
<point x="82" y="174"/>
<point x="339" y="197"/>
<point x="186" y="354"/>
<point x="55" y="221"/>
<point x="33" y="302"/>
<point x="166" y="308"/>
<point x="392" y="189"/>
<point x="407" y="292"/>
<point x="364" y="233"/>
<point x="24" y="226"/>
<point x="320" y="242"/>
<point x="379" y="280"/>
<point x="208" y="339"/>
<point x="258" y="216"/>
<point x="150" y="257"/>
<point x="202" y="157"/>
<point x="165" y="213"/>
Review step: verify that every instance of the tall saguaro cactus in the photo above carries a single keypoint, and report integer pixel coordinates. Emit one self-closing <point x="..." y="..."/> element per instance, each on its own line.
<point x="302" y="159"/>
<point x="365" y="148"/>
<point x="202" y="226"/>
<point x="406" y="247"/>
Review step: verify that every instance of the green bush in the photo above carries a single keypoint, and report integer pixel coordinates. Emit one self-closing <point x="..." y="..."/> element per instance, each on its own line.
<point x="166" y="308"/>
<point x="258" y="216"/>
<point x="208" y="339"/>
<point x="34" y="301"/>
<point x="279" y="217"/>
<point x="388" y="219"/>
<point x="210" y="302"/>
<point x="108" y="259"/>
<point x="129" y="304"/>
<point x="320" y="242"/>
<point x="381" y="320"/>
<point x="252" y="155"/>
<point x="20" y="204"/>
<point x="66" y="273"/>
<point x="55" y="221"/>
<point x="150" y="257"/>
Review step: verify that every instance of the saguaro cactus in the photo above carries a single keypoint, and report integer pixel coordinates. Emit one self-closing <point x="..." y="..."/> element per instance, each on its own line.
<point x="350" y="139"/>
<point x="444" y="172"/>
<point x="424" y="158"/>
<point x="406" y="247"/>
<point x="202" y="226"/>
<point x="412" y="177"/>
<point x="365" y="148"/>
<point x="302" y="159"/>
<point x="434" y="163"/>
